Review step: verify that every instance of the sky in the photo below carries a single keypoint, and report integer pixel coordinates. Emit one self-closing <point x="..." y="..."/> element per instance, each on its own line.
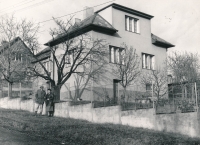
<point x="176" y="21"/>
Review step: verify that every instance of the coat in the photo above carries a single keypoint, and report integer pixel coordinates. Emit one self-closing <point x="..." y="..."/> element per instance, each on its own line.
<point x="40" y="96"/>
<point x="49" y="98"/>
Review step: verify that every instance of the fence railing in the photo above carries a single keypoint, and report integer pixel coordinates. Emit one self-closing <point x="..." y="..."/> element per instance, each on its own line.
<point x="144" y="103"/>
<point x="175" y="105"/>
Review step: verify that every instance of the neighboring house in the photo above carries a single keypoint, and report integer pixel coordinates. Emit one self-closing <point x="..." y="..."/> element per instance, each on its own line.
<point x="15" y="55"/>
<point x="117" y="24"/>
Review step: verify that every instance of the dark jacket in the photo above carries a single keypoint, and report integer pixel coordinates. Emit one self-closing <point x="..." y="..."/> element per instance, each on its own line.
<point x="49" y="98"/>
<point x="40" y="96"/>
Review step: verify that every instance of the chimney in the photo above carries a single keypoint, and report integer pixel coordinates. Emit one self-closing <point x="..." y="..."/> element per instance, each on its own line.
<point x="88" y="11"/>
<point x="77" y="20"/>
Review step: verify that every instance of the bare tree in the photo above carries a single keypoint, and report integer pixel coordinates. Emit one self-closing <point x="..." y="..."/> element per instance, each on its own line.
<point x="129" y="67"/>
<point x="71" y="54"/>
<point x="184" y="68"/>
<point x="93" y="73"/>
<point x="18" y="41"/>
<point x="157" y="81"/>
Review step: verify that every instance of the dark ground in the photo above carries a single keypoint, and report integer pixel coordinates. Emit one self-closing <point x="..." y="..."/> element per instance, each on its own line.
<point x="22" y="128"/>
<point x="10" y="137"/>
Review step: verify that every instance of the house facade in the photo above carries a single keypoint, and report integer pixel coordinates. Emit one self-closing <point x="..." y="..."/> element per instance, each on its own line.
<point x="117" y="25"/>
<point x="15" y="58"/>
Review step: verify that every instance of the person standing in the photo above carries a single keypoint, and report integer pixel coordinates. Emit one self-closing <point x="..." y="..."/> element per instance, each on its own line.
<point x="49" y="103"/>
<point x="39" y="100"/>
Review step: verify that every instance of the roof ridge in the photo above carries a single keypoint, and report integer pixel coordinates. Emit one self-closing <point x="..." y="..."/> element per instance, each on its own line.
<point x="127" y="9"/>
<point x="94" y="17"/>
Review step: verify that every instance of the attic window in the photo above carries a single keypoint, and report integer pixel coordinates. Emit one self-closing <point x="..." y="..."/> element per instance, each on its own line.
<point x="132" y="24"/>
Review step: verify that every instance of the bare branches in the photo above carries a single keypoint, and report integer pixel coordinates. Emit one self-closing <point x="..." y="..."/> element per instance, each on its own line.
<point x="73" y="55"/>
<point x="184" y="66"/>
<point x="18" y="42"/>
<point x="157" y="79"/>
<point x="128" y="70"/>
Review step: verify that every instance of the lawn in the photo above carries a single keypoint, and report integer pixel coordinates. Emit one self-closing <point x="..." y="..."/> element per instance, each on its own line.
<point x="78" y="132"/>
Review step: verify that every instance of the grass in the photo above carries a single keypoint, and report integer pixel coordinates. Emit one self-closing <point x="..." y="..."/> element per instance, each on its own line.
<point x="79" y="132"/>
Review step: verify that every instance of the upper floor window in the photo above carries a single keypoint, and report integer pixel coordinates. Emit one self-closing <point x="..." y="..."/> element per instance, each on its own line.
<point x="18" y="57"/>
<point x="132" y="24"/>
<point x="69" y="58"/>
<point x="116" y="55"/>
<point x="148" y="61"/>
<point x="48" y="65"/>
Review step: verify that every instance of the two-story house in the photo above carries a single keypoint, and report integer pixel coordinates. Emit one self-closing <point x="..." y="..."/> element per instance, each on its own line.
<point x="116" y="24"/>
<point x="15" y="57"/>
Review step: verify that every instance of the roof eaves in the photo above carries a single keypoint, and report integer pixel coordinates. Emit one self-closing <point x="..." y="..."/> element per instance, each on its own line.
<point x="80" y="31"/>
<point x="43" y="51"/>
<point x="160" y="42"/>
<point x="128" y="10"/>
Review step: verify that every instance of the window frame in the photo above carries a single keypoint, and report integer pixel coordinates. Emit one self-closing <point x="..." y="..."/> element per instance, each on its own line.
<point x="120" y="49"/>
<point x="134" y="25"/>
<point x="149" y="65"/>
<point x="151" y="89"/>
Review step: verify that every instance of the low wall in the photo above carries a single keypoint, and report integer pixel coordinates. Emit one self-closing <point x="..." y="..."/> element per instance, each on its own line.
<point x="144" y="118"/>
<point x="183" y="123"/>
<point x="18" y="104"/>
<point x="109" y="114"/>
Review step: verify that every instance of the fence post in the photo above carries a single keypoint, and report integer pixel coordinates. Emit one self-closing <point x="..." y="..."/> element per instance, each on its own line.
<point x="20" y="89"/>
<point x="196" y="96"/>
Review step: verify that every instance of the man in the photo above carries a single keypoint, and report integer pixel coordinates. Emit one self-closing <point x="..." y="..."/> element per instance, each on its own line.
<point x="39" y="100"/>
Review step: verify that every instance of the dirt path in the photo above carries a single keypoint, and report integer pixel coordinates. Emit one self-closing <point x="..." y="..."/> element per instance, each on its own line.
<point x="10" y="137"/>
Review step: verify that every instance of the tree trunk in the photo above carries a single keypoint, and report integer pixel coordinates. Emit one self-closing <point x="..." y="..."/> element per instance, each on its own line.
<point x="76" y="96"/>
<point x="10" y="90"/>
<point x="56" y="91"/>
<point x="125" y="95"/>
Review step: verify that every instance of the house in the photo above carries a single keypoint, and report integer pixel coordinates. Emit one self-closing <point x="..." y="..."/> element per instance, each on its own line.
<point x="15" y="57"/>
<point x="116" y="24"/>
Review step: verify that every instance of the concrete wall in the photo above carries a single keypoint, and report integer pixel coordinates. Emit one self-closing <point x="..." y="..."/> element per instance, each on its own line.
<point x="183" y="123"/>
<point x="144" y="118"/>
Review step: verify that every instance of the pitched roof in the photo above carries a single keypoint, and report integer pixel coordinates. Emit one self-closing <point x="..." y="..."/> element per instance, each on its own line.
<point x="94" y="22"/>
<point x="127" y="10"/>
<point x="5" y="45"/>
<point x="160" y="42"/>
<point x="12" y="43"/>
<point x="42" y="55"/>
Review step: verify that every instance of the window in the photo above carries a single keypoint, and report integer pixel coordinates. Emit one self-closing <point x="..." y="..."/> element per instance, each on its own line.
<point x="148" y="61"/>
<point x="18" y="57"/>
<point x="132" y="24"/>
<point x="69" y="58"/>
<point x="48" y="66"/>
<point x="116" y="55"/>
<point x="149" y="87"/>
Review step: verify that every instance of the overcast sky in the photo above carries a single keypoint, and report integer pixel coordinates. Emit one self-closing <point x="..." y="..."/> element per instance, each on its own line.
<point x="176" y="21"/>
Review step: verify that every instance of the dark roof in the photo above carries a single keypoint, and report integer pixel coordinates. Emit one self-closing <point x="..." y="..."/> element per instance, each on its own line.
<point x="127" y="10"/>
<point x="94" y="22"/>
<point x="12" y="43"/>
<point x="42" y="55"/>
<point x="5" y="45"/>
<point x="160" y="42"/>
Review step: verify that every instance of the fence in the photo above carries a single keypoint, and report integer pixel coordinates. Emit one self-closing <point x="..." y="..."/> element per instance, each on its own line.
<point x="19" y="89"/>
<point x="102" y="96"/>
<point x="175" y="105"/>
<point x="184" y="123"/>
